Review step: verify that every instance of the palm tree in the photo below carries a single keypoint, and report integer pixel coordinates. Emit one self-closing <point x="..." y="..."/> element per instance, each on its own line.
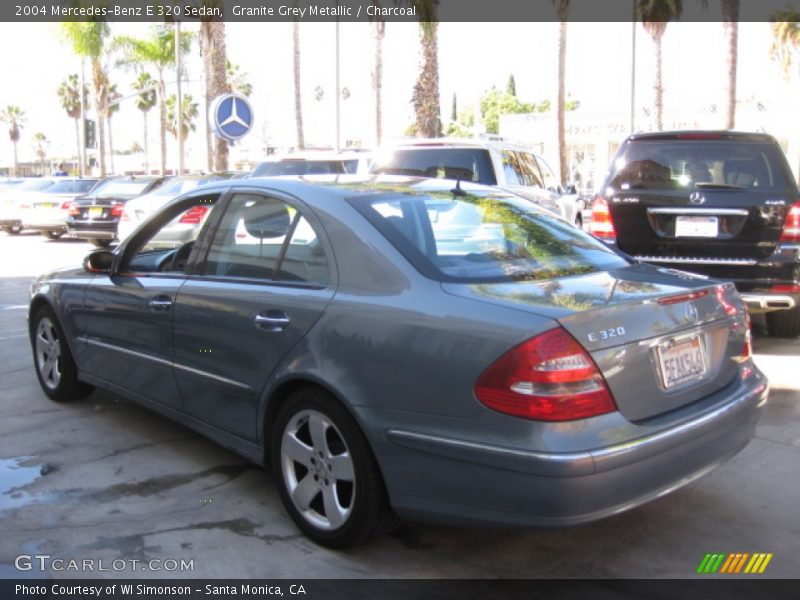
<point x="157" y="51"/>
<point x="88" y="39"/>
<point x="13" y="116"/>
<point x="40" y="149"/>
<point x="188" y="114"/>
<point x="377" y="75"/>
<point x="426" y="90"/>
<point x="237" y="79"/>
<point x="562" y="10"/>
<point x="69" y="95"/>
<point x="298" y="103"/>
<point x="212" y="46"/>
<point x="655" y="16"/>
<point x="785" y="38"/>
<point x="730" y="12"/>
<point x="145" y="101"/>
<point x="113" y="107"/>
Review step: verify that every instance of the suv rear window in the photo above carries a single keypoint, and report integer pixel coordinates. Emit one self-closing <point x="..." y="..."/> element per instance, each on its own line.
<point x="300" y="167"/>
<point x="475" y="238"/>
<point x="678" y="164"/>
<point x="465" y="164"/>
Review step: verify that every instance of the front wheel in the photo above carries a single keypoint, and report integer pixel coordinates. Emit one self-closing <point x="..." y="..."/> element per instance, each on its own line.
<point x="784" y="323"/>
<point x="14" y="229"/>
<point x="327" y="477"/>
<point x="52" y="235"/>
<point x="52" y="359"/>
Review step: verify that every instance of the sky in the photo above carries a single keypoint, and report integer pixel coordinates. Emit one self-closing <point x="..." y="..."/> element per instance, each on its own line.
<point x="473" y="57"/>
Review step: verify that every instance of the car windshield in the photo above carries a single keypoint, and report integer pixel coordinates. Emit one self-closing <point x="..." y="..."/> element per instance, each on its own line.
<point x="123" y="188"/>
<point x="466" y="164"/>
<point x="177" y="187"/>
<point x="33" y="185"/>
<point x="300" y="167"/>
<point x="484" y="238"/>
<point x="71" y="187"/>
<point x="683" y="164"/>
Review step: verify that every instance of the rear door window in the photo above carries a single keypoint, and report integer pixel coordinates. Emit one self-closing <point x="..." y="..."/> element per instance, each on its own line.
<point x="464" y="164"/>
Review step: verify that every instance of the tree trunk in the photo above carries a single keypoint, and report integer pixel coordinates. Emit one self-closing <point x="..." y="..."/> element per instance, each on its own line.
<point x="377" y="79"/>
<point x="78" y="145"/>
<point x="212" y="39"/>
<point x="162" y="121"/>
<point x="110" y="146"/>
<point x="730" y="12"/>
<point x="426" y="91"/>
<point x="659" y="84"/>
<point x="101" y="104"/>
<point x="16" y="161"/>
<point x="562" y="142"/>
<point x="146" y="160"/>
<point x="298" y="102"/>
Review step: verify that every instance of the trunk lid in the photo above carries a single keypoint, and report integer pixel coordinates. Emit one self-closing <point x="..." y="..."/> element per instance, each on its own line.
<point x="661" y="339"/>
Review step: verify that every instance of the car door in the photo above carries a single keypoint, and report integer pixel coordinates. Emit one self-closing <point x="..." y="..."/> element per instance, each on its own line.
<point x="564" y="204"/>
<point x="523" y="178"/>
<point x="130" y="311"/>
<point x="265" y="280"/>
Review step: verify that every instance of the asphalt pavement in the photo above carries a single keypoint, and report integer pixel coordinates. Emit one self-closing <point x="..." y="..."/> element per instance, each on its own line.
<point x="103" y="479"/>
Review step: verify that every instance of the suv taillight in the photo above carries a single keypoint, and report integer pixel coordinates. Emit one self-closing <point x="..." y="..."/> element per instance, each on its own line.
<point x="194" y="216"/>
<point x="791" y="227"/>
<point x="602" y="225"/>
<point x="550" y="377"/>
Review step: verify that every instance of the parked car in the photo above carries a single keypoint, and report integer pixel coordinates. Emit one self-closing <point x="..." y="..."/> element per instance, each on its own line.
<point x="720" y="203"/>
<point x="13" y="198"/>
<point x="510" y="167"/>
<point x="405" y="347"/>
<point x="315" y="163"/>
<point x="95" y="216"/>
<point x="140" y="208"/>
<point x="47" y="211"/>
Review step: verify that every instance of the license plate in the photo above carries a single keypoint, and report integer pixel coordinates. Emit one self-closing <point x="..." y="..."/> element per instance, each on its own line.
<point x="682" y="361"/>
<point x="95" y="211"/>
<point x="706" y="227"/>
<point x="45" y="205"/>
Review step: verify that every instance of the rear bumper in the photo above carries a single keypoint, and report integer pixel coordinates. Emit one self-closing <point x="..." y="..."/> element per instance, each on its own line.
<point x="102" y="231"/>
<point x="463" y="481"/>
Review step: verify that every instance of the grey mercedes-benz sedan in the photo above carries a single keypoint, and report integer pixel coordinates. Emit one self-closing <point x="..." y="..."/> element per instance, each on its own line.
<point x="399" y="347"/>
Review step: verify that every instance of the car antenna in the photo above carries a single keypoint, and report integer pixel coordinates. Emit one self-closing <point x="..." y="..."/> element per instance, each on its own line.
<point x="457" y="191"/>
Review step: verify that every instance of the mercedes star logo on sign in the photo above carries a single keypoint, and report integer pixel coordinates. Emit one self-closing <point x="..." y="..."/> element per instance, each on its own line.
<point x="231" y="116"/>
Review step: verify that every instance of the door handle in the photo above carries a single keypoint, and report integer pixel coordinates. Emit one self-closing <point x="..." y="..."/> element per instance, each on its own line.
<point x="272" y="320"/>
<point x="160" y="303"/>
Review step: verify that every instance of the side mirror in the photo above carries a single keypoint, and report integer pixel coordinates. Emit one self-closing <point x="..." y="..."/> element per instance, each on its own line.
<point x="99" y="261"/>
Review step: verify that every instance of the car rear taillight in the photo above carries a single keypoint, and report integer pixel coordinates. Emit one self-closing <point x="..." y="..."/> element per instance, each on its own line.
<point x="667" y="300"/>
<point x="194" y="216"/>
<point x="550" y="377"/>
<point x="791" y="227"/>
<point x="66" y="205"/>
<point x="117" y="210"/>
<point x="602" y="225"/>
<point x="785" y="289"/>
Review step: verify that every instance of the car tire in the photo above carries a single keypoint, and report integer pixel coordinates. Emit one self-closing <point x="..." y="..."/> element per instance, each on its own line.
<point x="328" y="479"/>
<point x="784" y="323"/>
<point x="100" y="243"/>
<point x="14" y="229"/>
<point x="52" y="235"/>
<point x="52" y="359"/>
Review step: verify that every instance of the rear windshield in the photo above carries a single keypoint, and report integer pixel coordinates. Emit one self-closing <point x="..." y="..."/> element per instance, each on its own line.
<point x="474" y="238"/>
<point x="300" y="167"/>
<point x="677" y="164"/>
<point x="72" y="187"/>
<point x="122" y="188"/>
<point x="34" y="185"/>
<point x="465" y="164"/>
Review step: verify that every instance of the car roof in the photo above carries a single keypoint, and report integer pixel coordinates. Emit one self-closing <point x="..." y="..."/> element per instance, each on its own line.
<point x="703" y="134"/>
<point x="447" y="142"/>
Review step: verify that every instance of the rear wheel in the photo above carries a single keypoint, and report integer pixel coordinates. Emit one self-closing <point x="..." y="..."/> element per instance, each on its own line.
<point x="52" y="235"/>
<point x="100" y="243"/>
<point x="328" y="479"/>
<point x="55" y="367"/>
<point x="784" y="323"/>
<point x="13" y="229"/>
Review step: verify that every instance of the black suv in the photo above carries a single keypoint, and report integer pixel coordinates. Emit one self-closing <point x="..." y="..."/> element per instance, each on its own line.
<point x="719" y="203"/>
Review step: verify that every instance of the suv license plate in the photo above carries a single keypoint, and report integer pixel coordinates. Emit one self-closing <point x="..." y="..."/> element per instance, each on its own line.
<point x="682" y="361"/>
<point x="707" y="227"/>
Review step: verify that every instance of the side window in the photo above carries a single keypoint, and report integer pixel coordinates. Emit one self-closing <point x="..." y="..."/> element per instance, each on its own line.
<point x="550" y="180"/>
<point x="512" y="168"/>
<point x="533" y="177"/>
<point x="264" y="238"/>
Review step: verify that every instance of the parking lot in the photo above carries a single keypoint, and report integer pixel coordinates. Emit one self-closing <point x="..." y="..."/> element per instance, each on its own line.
<point x="105" y="479"/>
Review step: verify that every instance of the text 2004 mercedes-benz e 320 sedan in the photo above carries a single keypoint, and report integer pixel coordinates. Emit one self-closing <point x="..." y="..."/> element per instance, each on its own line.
<point x="410" y="347"/>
